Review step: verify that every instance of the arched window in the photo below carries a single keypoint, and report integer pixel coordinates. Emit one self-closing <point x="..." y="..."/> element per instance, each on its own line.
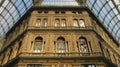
<point x="82" y="23"/>
<point x="38" y="45"/>
<point x="38" y="22"/>
<point x="63" y="22"/>
<point x="75" y="21"/>
<point x="45" y="22"/>
<point x="61" y="45"/>
<point x="82" y="45"/>
<point x="57" y="23"/>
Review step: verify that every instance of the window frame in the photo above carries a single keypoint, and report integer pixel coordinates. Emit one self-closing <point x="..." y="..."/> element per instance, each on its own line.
<point x="83" y="46"/>
<point x="39" y="47"/>
<point x="34" y="65"/>
<point x="75" y="22"/>
<point x="88" y="65"/>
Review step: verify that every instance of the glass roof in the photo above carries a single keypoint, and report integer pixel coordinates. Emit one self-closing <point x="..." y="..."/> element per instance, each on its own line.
<point x="11" y="11"/>
<point x="59" y="3"/>
<point x="107" y="11"/>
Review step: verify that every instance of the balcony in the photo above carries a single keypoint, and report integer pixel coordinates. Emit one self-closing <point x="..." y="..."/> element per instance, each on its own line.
<point x="61" y="55"/>
<point x="60" y="28"/>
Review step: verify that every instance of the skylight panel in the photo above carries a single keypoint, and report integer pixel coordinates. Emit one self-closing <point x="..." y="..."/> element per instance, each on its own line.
<point x="11" y="11"/>
<point x="59" y="3"/>
<point x="110" y="14"/>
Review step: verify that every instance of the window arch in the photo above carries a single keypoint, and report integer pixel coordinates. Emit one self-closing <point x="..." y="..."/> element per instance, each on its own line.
<point x="38" y="45"/>
<point x="61" y="46"/>
<point x="63" y="22"/>
<point x="75" y="23"/>
<point x="38" y="22"/>
<point x="81" y="23"/>
<point x="57" y="22"/>
<point x="82" y="45"/>
<point x="44" y="22"/>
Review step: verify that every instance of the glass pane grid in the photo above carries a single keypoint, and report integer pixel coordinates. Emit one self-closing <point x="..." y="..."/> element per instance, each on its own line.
<point x="5" y="3"/>
<point x="89" y="3"/>
<point x="9" y="6"/>
<point x="11" y="12"/>
<point x="59" y="3"/>
<point x="108" y="15"/>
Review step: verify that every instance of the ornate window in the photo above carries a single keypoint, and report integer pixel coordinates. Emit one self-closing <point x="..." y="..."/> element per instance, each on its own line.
<point x="82" y="45"/>
<point x="81" y="23"/>
<point x="61" y="45"/>
<point x="45" y="22"/>
<point x="38" y="45"/>
<point x="38" y="23"/>
<point x="34" y="65"/>
<point x="63" y="22"/>
<point x="75" y="21"/>
<point x="57" y="22"/>
<point x="88" y="65"/>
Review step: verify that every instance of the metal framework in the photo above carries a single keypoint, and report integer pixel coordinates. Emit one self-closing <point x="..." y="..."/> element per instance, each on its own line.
<point x="10" y="12"/>
<point x="107" y="11"/>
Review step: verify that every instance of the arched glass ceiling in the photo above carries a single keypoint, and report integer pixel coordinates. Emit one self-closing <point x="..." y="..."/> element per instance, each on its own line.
<point x="108" y="12"/>
<point x="11" y="11"/>
<point x="59" y="3"/>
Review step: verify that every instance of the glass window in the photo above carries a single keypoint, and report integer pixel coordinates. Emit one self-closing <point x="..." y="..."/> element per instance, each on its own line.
<point x="75" y="21"/>
<point x="38" y="22"/>
<point x="82" y="45"/>
<point x="45" y="22"/>
<point x="38" y="45"/>
<point x="63" y="22"/>
<point x="82" y="23"/>
<point x="59" y="3"/>
<point x="61" y="45"/>
<point x="57" y="22"/>
<point x="88" y="65"/>
<point x="34" y="65"/>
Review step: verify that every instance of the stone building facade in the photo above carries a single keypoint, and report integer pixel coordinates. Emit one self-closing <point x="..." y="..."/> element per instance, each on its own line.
<point x="59" y="37"/>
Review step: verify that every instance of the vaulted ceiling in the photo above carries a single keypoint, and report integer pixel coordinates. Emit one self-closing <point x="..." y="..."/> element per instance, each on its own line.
<point x="107" y="11"/>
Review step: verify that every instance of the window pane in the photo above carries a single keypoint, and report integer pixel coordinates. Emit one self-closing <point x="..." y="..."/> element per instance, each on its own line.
<point x="75" y="23"/>
<point x="57" y="22"/>
<point x="63" y="23"/>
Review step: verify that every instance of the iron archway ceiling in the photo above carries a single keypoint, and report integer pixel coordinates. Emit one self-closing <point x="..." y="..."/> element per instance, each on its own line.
<point x="107" y="11"/>
<point x="10" y="12"/>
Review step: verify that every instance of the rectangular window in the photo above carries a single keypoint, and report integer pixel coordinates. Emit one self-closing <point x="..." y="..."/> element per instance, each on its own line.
<point x="88" y="65"/>
<point x="38" y="22"/>
<point x="34" y="65"/>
